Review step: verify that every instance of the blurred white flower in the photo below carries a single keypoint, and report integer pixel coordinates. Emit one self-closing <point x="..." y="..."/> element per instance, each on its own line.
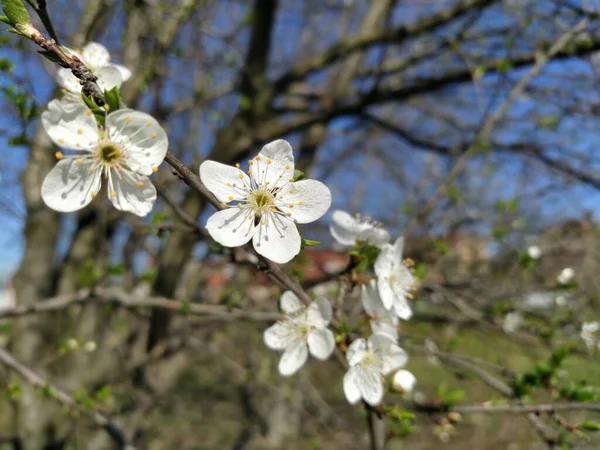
<point x="90" y="346"/>
<point x="512" y="322"/>
<point x="131" y="147"/>
<point x="588" y="334"/>
<point x="566" y="276"/>
<point x="265" y="206"/>
<point x="534" y="252"/>
<point x="347" y="230"/>
<point x="96" y="57"/>
<point x="382" y="319"/>
<point x="560" y="300"/>
<point x="304" y="330"/>
<point x="403" y="381"/>
<point x="395" y="280"/>
<point x="370" y="360"/>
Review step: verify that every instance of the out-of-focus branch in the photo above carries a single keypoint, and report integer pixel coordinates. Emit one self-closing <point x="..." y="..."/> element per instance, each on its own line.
<point x="490" y="124"/>
<point x="31" y="377"/>
<point x="124" y="300"/>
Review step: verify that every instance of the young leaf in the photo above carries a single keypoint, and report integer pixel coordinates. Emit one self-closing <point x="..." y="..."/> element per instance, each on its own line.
<point x="309" y="243"/>
<point x="298" y="175"/>
<point x="5" y="20"/>
<point x="113" y="99"/>
<point x="15" y="12"/>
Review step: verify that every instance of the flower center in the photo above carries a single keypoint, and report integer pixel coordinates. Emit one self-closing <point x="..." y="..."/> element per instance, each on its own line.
<point x="109" y="153"/>
<point x="261" y="201"/>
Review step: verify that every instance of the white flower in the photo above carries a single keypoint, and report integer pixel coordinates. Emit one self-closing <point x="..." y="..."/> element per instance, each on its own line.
<point x="96" y="57"/>
<point x="403" y="381"/>
<point x="382" y="319"/>
<point x="347" y="230"/>
<point x="90" y="346"/>
<point x="534" y="252"/>
<point x="588" y="334"/>
<point x="265" y="206"/>
<point x="370" y="360"/>
<point x="304" y="330"/>
<point x="512" y="322"/>
<point x="131" y="146"/>
<point x="394" y="279"/>
<point x="560" y="300"/>
<point x="566" y="276"/>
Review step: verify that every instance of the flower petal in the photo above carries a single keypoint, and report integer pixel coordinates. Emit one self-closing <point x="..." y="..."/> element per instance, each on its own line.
<point x="402" y="308"/>
<point x="293" y="358"/>
<point x="274" y="164"/>
<point x="319" y="312"/>
<point x="321" y="343"/>
<point x="108" y="78"/>
<point x="70" y="186"/>
<point x="357" y="350"/>
<point x="131" y="192"/>
<point x="231" y="227"/>
<point x="351" y="389"/>
<point x="385" y="328"/>
<point x="305" y="200"/>
<point x="141" y="135"/>
<point x="95" y="54"/>
<point x="385" y="262"/>
<point x="370" y="385"/>
<point x="279" y="336"/>
<point x="224" y="181"/>
<point x="125" y="72"/>
<point x="370" y="299"/>
<point x="404" y="381"/>
<point x="375" y="236"/>
<point x="277" y="239"/>
<point x="398" y="248"/>
<point x="68" y="81"/>
<point x="290" y="303"/>
<point x="69" y="125"/>
<point x="393" y="359"/>
<point x="386" y="293"/>
<point x="343" y="228"/>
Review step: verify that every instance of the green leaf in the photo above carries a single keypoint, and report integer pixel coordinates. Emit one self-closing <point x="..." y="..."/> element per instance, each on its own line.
<point x="298" y="175"/>
<point x="588" y="425"/>
<point x="15" y="12"/>
<point x="113" y="99"/>
<point x="99" y="113"/>
<point x="5" y="20"/>
<point x="309" y="243"/>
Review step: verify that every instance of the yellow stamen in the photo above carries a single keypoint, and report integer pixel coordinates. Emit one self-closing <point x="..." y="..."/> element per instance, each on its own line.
<point x="155" y="169"/>
<point x="127" y="118"/>
<point x="106" y="107"/>
<point x="113" y="194"/>
<point x="88" y="112"/>
<point x="59" y="155"/>
<point x="79" y="131"/>
<point x="153" y="135"/>
<point x="78" y="161"/>
<point x="140" y="183"/>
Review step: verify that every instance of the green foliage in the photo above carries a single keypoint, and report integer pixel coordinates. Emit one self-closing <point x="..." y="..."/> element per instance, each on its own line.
<point x="589" y="425"/>
<point x="14" y="391"/>
<point x="453" y="194"/>
<point x="548" y="122"/>
<point x="364" y="256"/>
<point x="420" y="271"/>
<point x="88" y="274"/>
<point x="507" y="206"/>
<point x="6" y="65"/>
<point x="526" y="261"/>
<point x="24" y="104"/>
<point x="542" y="375"/>
<point x="401" y="421"/>
<point x="298" y="175"/>
<point x="116" y="269"/>
<point x="91" y="402"/>
<point x="15" y="11"/>
<point x="99" y="113"/>
<point x="309" y="243"/>
<point x="448" y="397"/>
<point x="579" y="392"/>
<point x="113" y="99"/>
<point x="159" y="217"/>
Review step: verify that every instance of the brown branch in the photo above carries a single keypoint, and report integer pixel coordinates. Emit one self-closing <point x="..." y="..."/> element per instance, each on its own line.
<point x="31" y="377"/>
<point x="124" y="300"/>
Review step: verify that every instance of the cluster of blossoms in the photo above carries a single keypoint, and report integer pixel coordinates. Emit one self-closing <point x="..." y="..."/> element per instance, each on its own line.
<point x="589" y="335"/>
<point x="124" y="150"/>
<point x="262" y="205"/>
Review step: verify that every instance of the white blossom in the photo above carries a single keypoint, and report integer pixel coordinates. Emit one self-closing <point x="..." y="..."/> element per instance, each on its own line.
<point x="403" y="381"/>
<point x="566" y="276"/>
<point x="371" y="360"/>
<point x="589" y="332"/>
<point x="382" y="319"/>
<point x="96" y="57"/>
<point x="512" y="322"/>
<point x="347" y="230"/>
<point x="265" y="205"/>
<point x="304" y="330"/>
<point x="394" y="279"/>
<point x="534" y="252"/>
<point x="90" y="346"/>
<point x="124" y="153"/>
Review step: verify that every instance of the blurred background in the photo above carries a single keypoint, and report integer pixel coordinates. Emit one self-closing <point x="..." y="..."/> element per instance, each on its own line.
<point x="469" y="126"/>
